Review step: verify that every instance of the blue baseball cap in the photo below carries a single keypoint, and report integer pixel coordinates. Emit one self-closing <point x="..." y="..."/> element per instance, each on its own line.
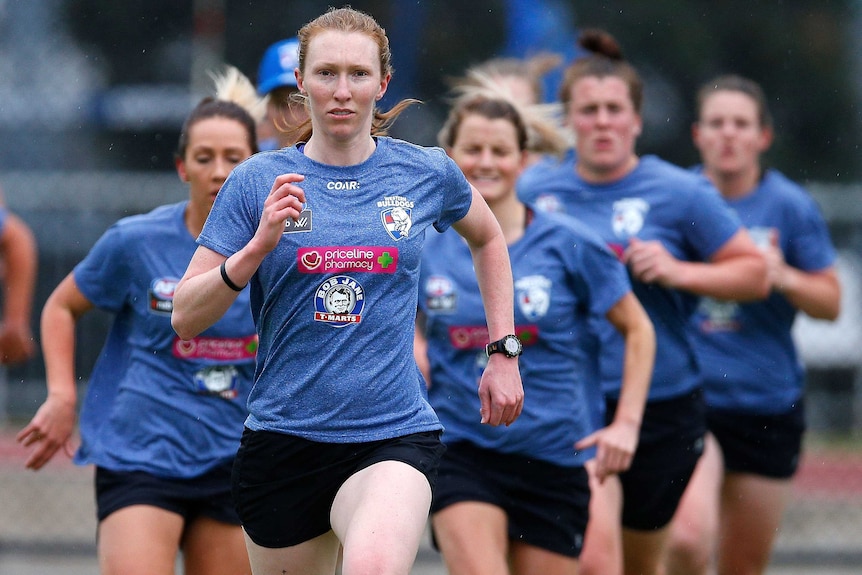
<point x="277" y="65"/>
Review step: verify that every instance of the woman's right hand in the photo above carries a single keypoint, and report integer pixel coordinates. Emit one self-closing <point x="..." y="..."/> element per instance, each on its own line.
<point x="285" y="200"/>
<point x="49" y="430"/>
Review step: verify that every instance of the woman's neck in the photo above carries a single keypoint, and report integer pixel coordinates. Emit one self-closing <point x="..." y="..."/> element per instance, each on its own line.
<point x="733" y="185"/>
<point x="511" y="214"/>
<point x="340" y="152"/>
<point x="602" y="175"/>
<point x="195" y="217"/>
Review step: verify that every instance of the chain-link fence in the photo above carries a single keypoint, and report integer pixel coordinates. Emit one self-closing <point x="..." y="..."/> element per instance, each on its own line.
<point x="53" y="509"/>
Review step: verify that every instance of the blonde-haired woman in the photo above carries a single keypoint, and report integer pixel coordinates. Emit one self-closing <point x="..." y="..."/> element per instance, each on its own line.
<point x="516" y="500"/>
<point x="162" y="416"/>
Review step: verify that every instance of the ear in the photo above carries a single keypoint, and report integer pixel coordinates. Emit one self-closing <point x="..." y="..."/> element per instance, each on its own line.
<point x="695" y="134"/>
<point x="384" y="83"/>
<point x="766" y="136"/>
<point x="525" y="159"/>
<point x="180" y="165"/>
<point x="298" y="75"/>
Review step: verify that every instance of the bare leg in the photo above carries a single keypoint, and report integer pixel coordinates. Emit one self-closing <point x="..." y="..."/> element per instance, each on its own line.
<point x="643" y="551"/>
<point x="473" y="538"/>
<point x="212" y="547"/>
<point x="139" y="540"/>
<point x="751" y="510"/>
<point x="317" y="556"/>
<point x="694" y="529"/>
<point x="603" y="552"/>
<point x="379" y="514"/>
<point x="531" y="560"/>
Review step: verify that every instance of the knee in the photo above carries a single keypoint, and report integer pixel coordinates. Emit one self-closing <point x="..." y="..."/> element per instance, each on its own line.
<point x="375" y="562"/>
<point x="689" y="551"/>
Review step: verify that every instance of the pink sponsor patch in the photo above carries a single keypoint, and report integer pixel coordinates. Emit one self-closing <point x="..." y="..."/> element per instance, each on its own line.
<point x="340" y="259"/>
<point x="476" y="337"/>
<point x="217" y="348"/>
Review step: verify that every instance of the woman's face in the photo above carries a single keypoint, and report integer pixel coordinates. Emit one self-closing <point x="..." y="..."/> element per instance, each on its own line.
<point x="729" y="135"/>
<point x="606" y="126"/>
<point x="215" y="146"/>
<point x="487" y="152"/>
<point x="343" y="81"/>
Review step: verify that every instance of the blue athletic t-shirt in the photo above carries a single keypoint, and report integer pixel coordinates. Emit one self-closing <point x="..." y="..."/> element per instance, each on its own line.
<point x="563" y="274"/>
<point x="746" y="350"/>
<point x="335" y="301"/>
<point x="156" y="403"/>
<point x="656" y="201"/>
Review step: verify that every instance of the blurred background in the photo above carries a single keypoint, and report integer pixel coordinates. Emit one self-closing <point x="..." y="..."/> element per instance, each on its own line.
<point x="93" y="93"/>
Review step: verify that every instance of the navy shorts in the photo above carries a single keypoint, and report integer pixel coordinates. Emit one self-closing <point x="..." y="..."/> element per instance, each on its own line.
<point x="207" y="495"/>
<point x="671" y="442"/>
<point x="766" y="445"/>
<point x="284" y="485"/>
<point x="546" y="505"/>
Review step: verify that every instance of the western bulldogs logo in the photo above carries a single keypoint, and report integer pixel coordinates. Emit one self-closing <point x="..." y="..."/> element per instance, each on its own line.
<point x="550" y="203"/>
<point x="533" y="294"/>
<point x="397" y="222"/>
<point x="339" y="301"/>
<point x="629" y="216"/>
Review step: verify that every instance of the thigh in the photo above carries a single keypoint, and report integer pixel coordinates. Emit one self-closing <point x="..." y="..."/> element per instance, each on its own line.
<point x="602" y="553"/>
<point x="694" y="527"/>
<point x="643" y="551"/>
<point x="317" y="556"/>
<point x="379" y="515"/>
<point x="212" y="547"/>
<point x="751" y="511"/>
<point x="139" y="540"/>
<point x="472" y="536"/>
<point x="531" y="560"/>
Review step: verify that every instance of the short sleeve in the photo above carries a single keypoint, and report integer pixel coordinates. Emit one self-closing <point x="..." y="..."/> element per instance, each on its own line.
<point x="457" y="194"/>
<point x="104" y="275"/>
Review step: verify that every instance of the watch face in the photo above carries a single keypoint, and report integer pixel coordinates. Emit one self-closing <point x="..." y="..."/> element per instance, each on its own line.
<point x="512" y="345"/>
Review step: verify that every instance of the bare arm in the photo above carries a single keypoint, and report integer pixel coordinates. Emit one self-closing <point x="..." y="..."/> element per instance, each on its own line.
<point x="817" y="293"/>
<point x="420" y="349"/>
<point x="616" y="443"/>
<point x="202" y="297"/>
<point x="500" y="389"/>
<point x="737" y="271"/>
<point x="52" y="426"/>
<point x="19" y="255"/>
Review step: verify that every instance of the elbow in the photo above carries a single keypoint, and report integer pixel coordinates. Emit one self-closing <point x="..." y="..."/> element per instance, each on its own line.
<point x="829" y="312"/>
<point x="182" y="327"/>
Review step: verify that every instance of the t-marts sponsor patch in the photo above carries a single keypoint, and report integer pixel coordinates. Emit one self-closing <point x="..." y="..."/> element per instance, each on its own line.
<point x="339" y="301"/>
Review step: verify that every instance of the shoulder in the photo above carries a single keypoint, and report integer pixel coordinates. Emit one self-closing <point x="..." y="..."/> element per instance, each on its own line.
<point x="777" y="183"/>
<point x="144" y="223"/>
<point x="548" y="168"/>
<point x="567" y="228"/>
<point x="409" y="152"/>
<point x="657" y="167"/>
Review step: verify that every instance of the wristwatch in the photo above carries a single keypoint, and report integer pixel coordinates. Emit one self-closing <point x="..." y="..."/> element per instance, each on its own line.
<point x="509" y="345"/>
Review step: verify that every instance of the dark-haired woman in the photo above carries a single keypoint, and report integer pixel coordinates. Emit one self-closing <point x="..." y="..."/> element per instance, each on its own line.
<point x="679" y="241"/>
<point x="162" y="417"/>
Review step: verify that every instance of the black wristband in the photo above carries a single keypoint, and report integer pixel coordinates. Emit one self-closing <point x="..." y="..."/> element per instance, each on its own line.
<point x="227" y="280"/>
